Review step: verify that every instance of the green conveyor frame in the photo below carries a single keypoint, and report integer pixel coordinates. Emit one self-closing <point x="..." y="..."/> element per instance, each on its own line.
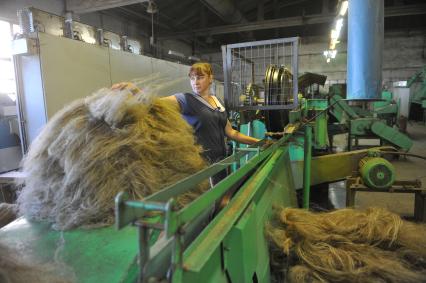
<point x="232" y="246"/>
<point x="107" y="255"/>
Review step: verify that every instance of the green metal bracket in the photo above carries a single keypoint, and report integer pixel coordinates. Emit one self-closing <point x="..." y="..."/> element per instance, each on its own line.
<point x="320" y="129"/>
<point x="307" y="166"/>
<point x="316" y="104"/>
<point x="295" y="116"/>
<point x="128" y="211"/>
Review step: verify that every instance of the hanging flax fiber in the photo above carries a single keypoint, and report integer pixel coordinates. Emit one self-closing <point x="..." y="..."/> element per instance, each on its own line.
<point x="346" y="245"/>
<point x="96" y="147"/>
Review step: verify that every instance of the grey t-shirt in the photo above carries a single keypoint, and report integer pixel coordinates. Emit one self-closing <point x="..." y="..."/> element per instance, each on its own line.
<point x="208" y="123"/>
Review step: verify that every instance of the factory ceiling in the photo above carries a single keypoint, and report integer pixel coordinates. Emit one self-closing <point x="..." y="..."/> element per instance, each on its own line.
<point x="208" y="24"/>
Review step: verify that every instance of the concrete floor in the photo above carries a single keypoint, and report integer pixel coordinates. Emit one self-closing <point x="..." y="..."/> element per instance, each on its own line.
<point x="407" y="168"/>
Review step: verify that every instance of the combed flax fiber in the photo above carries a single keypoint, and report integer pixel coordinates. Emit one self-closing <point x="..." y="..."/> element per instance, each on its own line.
<point x="346" y="245"/>
<point x="96" y="147"/>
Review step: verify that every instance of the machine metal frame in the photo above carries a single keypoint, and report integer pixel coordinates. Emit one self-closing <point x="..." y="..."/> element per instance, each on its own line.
<point x="275" y="58"/>
<point x="177" y="223"/>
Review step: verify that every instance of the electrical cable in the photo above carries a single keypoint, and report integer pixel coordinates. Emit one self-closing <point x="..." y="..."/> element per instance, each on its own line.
<point x="404" y="153"/>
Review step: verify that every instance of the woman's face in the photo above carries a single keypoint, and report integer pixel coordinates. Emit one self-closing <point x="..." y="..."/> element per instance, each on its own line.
<point x="200" y="83"/>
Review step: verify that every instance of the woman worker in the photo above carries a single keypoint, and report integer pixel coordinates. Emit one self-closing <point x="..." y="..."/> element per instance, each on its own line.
<point x="207" y="115"/>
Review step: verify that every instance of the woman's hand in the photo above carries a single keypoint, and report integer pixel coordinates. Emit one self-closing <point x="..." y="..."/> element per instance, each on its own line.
<point x="126" y="85"/>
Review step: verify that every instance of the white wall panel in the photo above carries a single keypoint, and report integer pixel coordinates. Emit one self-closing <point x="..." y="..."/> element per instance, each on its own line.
<point x="71" y="69"/>
<point x="127" y="66"/>
<point x="175" y="75"/>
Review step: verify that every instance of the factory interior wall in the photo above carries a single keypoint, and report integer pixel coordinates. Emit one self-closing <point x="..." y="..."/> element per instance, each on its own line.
<point x="403" y="55"/>
<point x="119" y="25"/>
<point x="142" y="32"/>
<point x="9" y="8"/>
<point x="115" y="24"/>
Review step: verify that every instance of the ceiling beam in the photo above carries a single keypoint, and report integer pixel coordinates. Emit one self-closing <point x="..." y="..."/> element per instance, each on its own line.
<point x="146" y="18"/>
<point x="88" y="6"/>
<point x="289" y="22"/>
<point x="164" y="25"/>
<point x="258" y="25"/>
<point x="407" y="10"/>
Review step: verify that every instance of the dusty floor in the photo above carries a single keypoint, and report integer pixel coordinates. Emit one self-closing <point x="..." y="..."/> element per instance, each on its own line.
<point x="407" y="168"/>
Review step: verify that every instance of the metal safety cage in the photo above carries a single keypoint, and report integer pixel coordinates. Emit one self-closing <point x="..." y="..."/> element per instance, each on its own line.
<point x="261" y="75"/>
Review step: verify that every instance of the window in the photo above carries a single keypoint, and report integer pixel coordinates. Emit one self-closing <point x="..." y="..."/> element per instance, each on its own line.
<point x="10" y="150"/>
<point x="7" y="75"/>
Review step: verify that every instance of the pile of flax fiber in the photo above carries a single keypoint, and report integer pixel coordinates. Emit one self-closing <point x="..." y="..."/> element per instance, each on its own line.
<point x="346" y="245"/>
<point x="108" y="142"/>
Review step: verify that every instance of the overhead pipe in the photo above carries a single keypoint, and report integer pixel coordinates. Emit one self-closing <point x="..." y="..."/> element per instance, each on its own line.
<point x="365" y="45"/>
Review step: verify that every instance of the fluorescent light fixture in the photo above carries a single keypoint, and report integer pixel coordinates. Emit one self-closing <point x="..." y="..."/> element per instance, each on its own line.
<point x="343" y="8"/>
<point x="334" y="34"/>
<point x="330" y="54"/>
<point x="339" y="25"/>
<point x="177" y="54"/>
<point x="400" y="84"/>
<point x="193" y="58"/>
<point x="333" y="43"/>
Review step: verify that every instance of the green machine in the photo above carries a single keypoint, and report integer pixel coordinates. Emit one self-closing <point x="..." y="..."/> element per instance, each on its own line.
<point x="155" y="241"/>
<point x="192" y="248"/>
<point x="419" y="94"/>
<point x="365" y="125"/>
<point x="158" y="241"/>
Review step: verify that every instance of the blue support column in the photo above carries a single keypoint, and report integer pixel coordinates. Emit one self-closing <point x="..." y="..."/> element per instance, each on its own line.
<point x="365" y="46"/>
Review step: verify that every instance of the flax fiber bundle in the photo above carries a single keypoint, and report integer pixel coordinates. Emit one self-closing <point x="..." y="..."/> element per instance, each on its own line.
<point x="96" y="147"/>
<point x="346" y="245"/>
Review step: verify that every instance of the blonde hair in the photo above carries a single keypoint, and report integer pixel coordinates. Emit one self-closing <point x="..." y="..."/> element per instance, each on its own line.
<point x="201" y="68"/>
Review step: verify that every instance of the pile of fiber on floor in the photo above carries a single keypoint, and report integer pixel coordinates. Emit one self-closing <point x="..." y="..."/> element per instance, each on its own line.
<point x="96" y="147"/>
<point x="346" y="245"/>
